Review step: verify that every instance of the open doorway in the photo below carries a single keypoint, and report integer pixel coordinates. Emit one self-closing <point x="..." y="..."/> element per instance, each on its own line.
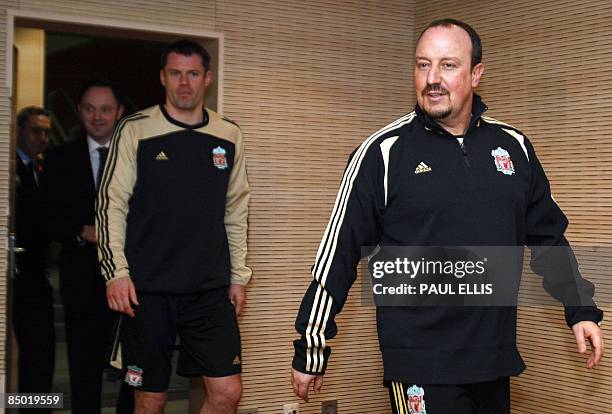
<point x="72" y="59"/>
<point x="66" y="55"/>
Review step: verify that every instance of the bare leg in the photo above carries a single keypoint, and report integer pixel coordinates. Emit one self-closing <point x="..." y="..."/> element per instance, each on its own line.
<point x="222" y="394"/>
<point x="149" y="402"/>
<point x="197" y="395"/>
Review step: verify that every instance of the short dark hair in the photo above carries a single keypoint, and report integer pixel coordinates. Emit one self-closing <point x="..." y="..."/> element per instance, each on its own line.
<point x="186" y="47"/>
<point x="24" y="115"/>
<point x="101" y="83"/>
<point x="476" y="43"/>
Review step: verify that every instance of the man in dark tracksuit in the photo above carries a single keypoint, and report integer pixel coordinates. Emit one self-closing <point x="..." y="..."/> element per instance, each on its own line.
<point x="443" y="175"/>
<point x="172" y="225"/>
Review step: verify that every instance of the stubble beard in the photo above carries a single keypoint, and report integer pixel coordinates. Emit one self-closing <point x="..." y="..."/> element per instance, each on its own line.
<point x="185" y="105"/>
<point x="440" y="113"/>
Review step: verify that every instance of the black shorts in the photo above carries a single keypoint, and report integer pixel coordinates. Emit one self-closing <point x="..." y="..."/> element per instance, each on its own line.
<point x="480" y="398"/>
<point x="206" y="326"/>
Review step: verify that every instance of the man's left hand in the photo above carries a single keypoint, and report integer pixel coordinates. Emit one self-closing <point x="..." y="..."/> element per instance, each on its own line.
<point x="587" y="330"/>
<point x="237" y="295"/>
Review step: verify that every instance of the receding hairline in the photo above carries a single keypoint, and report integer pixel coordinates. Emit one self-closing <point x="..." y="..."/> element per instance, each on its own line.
<point x="108" y="88"/>
<point x="100" y="83"/>
<point x="449" y="26"/>
<point x="476" y="49"/>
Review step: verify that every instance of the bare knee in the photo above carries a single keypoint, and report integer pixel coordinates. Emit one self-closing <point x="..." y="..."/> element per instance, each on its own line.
<point x="149" y="402"/>
<point x="224" y="394"/>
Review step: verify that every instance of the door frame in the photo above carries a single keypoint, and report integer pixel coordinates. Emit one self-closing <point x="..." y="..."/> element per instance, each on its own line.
<point x="79" y="24"/>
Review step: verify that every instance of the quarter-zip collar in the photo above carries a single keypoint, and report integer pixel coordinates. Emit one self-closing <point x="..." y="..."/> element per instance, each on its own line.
<point x="478" y="108"/>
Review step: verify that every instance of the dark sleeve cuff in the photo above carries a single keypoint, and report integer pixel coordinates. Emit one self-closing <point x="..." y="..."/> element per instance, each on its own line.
<point x="575" y="314"/>
<point x="299" y="359"/>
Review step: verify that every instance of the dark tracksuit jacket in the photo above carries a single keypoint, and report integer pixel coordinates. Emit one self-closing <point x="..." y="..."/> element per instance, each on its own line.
<point x="459" y="198"/>
<point x="173" y="204"/>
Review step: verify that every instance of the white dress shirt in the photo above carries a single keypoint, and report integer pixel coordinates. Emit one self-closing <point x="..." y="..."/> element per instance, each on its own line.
<point x="26" y="160"/>
<point x="94" y="156"/>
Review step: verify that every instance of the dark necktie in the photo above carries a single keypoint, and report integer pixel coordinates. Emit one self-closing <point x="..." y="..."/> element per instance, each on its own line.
<point x="31" y="167"/>
<point x="103" y="152"/>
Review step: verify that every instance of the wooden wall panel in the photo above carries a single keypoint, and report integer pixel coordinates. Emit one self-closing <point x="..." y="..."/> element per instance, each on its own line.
<point x="308" y="82"/>
<point x="190" y="14"/>
<point x="548" y="72"/>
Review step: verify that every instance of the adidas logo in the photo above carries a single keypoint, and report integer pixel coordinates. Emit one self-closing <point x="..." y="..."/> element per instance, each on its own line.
<point x="422" y="168"/>
<point x="236" y="360"/>
<point x="161" y="156"/>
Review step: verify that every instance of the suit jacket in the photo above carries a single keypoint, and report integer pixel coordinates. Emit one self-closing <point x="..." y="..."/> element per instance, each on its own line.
<point x="29" y="224"/>
<point x="70" y="195"/>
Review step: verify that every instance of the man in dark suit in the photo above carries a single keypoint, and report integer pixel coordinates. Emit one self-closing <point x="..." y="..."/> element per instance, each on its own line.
<point x="73" y="174"/>
<point x="32" y="294"/>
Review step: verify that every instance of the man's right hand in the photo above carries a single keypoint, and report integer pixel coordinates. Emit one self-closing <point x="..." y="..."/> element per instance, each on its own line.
<point x="89" y="234"/>
<point x="121" y="294"/>
<point x="301" y="383"/>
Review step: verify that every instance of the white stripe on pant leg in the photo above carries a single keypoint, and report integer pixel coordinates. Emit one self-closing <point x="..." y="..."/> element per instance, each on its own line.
<point x="399" y="398"/>
<point x="403" y="394"/>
